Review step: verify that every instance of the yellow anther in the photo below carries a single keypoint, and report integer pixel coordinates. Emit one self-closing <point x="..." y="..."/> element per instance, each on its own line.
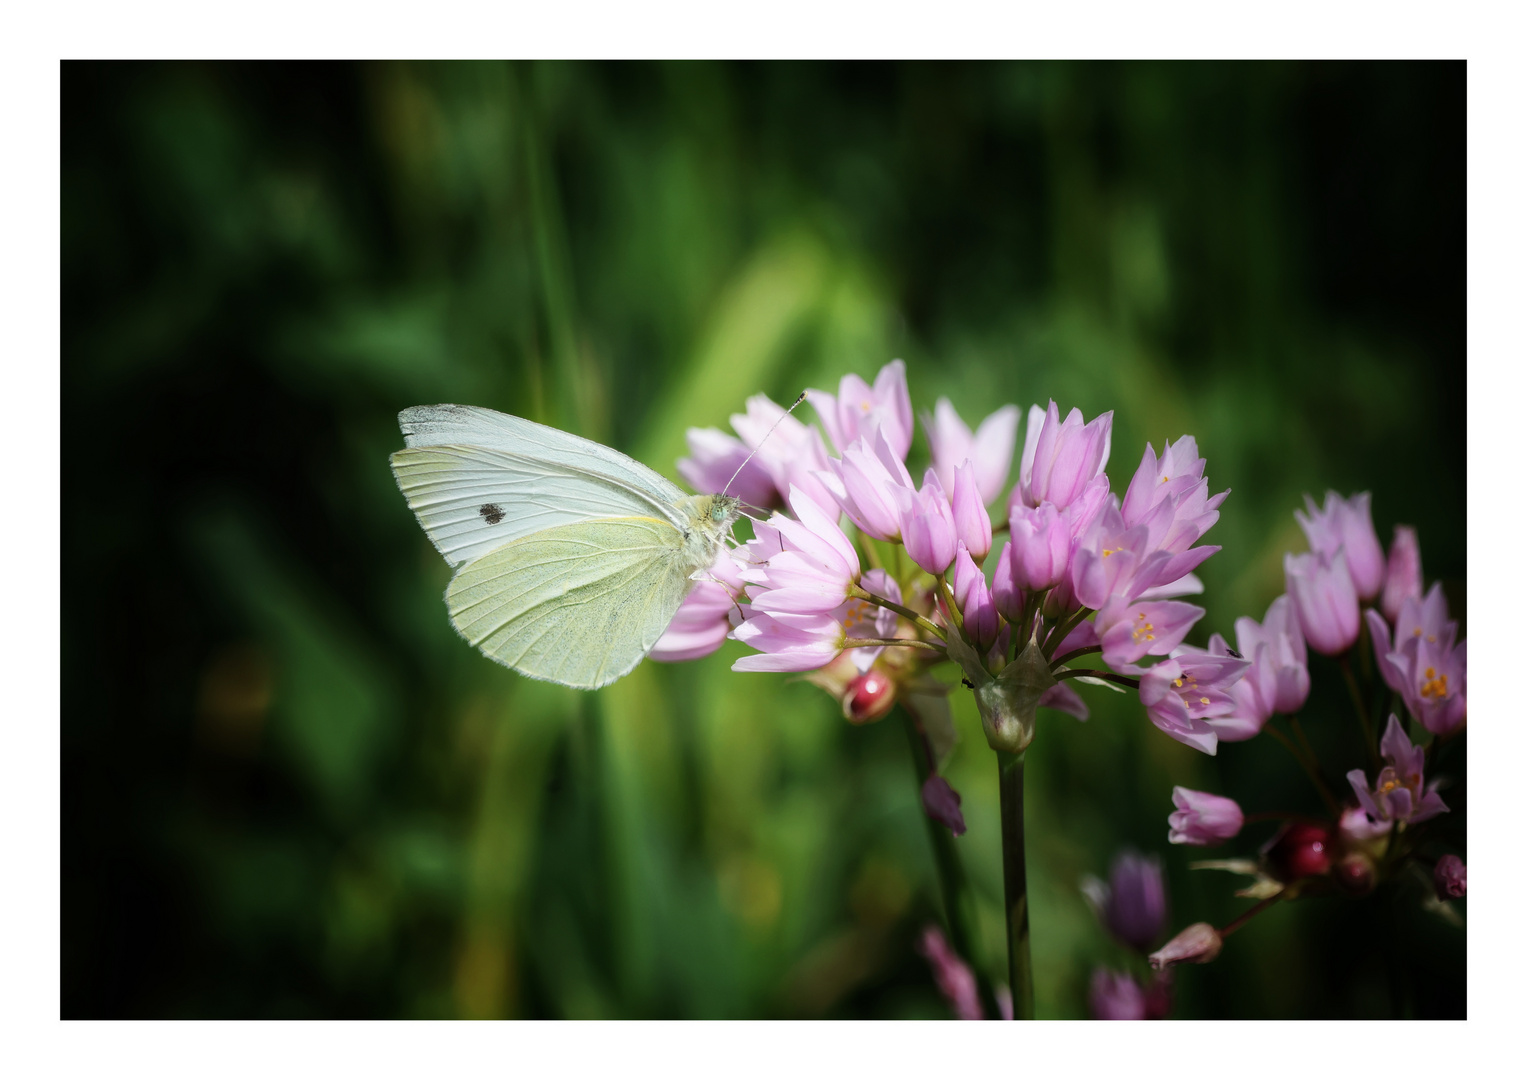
<point x="1176" y="682"/>
<point x="1203" y="701"/>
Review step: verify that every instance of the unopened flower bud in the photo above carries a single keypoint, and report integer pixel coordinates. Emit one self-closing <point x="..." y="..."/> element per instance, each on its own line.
<point x="1451" y="878"/>
<point x="942" y="803"/>
<point x="1302" y="849"/>
<point x="1355" y="873"/>
<point x="868" y="697"/>
<point x="1402" y="581"/>
<point x="1198" y="944"/>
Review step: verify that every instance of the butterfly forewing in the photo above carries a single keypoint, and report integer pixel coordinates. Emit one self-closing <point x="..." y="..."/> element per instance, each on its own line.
<point x="469" y="425"/>
<point x="472" y="499"/>
<point x="579" y="605"/>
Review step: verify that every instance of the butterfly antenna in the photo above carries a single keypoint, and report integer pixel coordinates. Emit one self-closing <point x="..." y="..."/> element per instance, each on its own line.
<point x="763" y="440"/>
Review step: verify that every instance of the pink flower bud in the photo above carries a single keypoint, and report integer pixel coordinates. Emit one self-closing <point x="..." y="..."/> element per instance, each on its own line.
<point x="1041" y="546"/>
<point x="952" y="975"/>
<point x="971" y="522"/>
<point x="1203" y="819"/>
<point x="1006" y="593"/>
<point x="1347" y="525"/>
<point x="974" y="600"/>
<point x="942" y="803"/>
<point x="1115" y="996"/>
<point x="1198" y="944"/>
<point x="1059" y="459"/>
<point x="1324" y="599"/>
<point x="927" y="525"/>
<point x="1402" y="580"/>
<point x="1451" y="878"/>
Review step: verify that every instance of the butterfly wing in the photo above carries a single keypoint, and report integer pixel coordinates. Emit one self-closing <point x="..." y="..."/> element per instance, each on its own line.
<point x="469" y="425"/>
<point x="578" y="604"/>
<point x="472" y="499"/>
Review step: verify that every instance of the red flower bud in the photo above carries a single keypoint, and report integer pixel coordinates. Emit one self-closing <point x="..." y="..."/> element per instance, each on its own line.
<point x="1355" y="874"/>
<point x="868" y="697"/>
<point x="1302" y="849"/>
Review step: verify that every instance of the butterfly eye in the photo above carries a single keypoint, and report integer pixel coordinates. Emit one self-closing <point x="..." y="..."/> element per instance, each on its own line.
<point x="717" y="513"/>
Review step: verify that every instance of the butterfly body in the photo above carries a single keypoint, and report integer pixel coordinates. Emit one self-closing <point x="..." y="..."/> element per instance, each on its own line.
<point x="571" y="557"/>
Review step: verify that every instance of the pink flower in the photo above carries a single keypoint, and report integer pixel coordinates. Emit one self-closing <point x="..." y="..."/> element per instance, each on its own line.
<point x="866" y="484"/>
<point x="1451" y="878"/>
<point x="815" y="569"/>
<point x="974" y="600"/>
<point x="862" y="619"/>
<point x="1402" y="577"/>
<point x="1113" y="560"/>
<point x="1324" y="600"/>
<point x="1183" y="693"/>
<point x="1060" y="459"/>
<point x="714" y="457"/>
<point x="927" y="525"/>
<point x="789" y="642"/>
<point x="1170" y="497"/>
<point x="859" y="409"/>
<point x="971" y="522"/>
<point x="1203" y="819"/>
<point x="952" y="975"/>
<point x="1398" y="794"/>
<point x="1286" y="658"/>
<point x="1041" y="546"/>
<point x="703" y="620"/>
<point x="1131" y="632"/>
<point x="1346" y="525"/>
<point x="1423" y="665"/>
<point x="791" y="455"/>
<point x="989" y="450"/>
<point x="1198" y="944"/>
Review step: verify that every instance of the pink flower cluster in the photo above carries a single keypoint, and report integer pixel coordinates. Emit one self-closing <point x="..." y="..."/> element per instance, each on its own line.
<point x="797" y="595"/>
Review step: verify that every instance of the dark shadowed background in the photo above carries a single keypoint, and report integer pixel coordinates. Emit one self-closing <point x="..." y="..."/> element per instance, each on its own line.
<point x="290" y="790"/>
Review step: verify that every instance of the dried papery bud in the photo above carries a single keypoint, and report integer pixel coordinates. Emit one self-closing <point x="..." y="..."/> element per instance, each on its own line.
<point x="1198" y="944"/>
<point x="1355" y="873"/>
<point x="1451" y="878"/>
<point x="1301" y="849"/>
<point x="868" y="697"/>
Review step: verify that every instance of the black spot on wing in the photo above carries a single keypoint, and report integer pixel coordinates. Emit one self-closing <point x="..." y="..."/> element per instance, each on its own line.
<point x="492" y="513"/>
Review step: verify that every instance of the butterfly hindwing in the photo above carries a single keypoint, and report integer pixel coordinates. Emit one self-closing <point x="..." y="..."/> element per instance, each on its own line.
<point x="579" y="604"/>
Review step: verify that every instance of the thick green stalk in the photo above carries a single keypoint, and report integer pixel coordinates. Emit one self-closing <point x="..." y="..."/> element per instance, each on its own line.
<point x="959" y="901"/>
<point x="1015" y="890"/>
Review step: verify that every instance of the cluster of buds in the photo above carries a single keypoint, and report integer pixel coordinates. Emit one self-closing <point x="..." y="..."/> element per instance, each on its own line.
<point x="1343" y="584"/>
<point x="865" y="578"/>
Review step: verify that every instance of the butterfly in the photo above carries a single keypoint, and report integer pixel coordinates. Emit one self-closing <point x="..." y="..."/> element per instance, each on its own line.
<point x="571" y="558"/>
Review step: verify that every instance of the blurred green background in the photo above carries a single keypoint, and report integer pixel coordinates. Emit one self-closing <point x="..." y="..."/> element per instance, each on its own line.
<point x="290" y="790"/>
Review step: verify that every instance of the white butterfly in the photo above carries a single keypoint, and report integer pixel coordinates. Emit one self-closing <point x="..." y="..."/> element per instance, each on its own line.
<point x="571" y="557"/>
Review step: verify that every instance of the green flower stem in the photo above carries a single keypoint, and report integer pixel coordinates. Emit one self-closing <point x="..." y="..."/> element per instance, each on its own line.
<point x="1311" y="769"/>
<point x="1249" y="914"/>
<point x="1362" y="713"/>
<point x="1062" y="661"/>
<point x="915" y="643"/>
<point x="959" y="901"/>
<point x="905" y="612"/>
<point x="1107" y="676"/>
<point x="1015" y="890"/>
<point x="1061" y="632"/>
